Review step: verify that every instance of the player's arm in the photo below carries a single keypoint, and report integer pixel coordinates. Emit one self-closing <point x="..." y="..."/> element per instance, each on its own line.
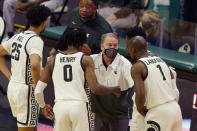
<point x="95" y="87"/>
<point x="138" y="71"/>
<point x="41" y="85"/>
<point x="35" y="49"/>
<point x="35" y="67"/>
<point x="3" y="67"/>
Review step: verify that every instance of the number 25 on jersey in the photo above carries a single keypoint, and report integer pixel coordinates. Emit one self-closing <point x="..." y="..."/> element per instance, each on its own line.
<point x="15" y="54"/>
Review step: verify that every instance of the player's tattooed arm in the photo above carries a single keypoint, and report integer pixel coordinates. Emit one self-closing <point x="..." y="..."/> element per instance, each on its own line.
<point x="95" y="87"/>
<point x="42" y="83"/>
<point x="35" y="67"/>
<point x="138" y="72"/>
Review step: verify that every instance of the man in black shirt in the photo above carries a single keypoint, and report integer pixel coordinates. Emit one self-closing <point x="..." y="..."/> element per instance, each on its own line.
<point x="87" y="18"/>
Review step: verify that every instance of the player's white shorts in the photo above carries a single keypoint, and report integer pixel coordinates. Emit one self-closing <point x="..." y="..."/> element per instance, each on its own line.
<point x="23" y="104"/>
<point x="137" y="122"/>
<point x="165" y="117"/>
<point x="71" y="116"/>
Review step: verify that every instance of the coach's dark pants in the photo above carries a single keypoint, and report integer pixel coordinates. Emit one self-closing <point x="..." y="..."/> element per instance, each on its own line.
<point x="106" y="124"/>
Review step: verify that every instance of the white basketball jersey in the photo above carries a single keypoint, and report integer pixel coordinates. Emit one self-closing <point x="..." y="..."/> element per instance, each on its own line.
<point x="69" y="78"/>
<point x="158" y="85"/>
<point x="20" y="62"/>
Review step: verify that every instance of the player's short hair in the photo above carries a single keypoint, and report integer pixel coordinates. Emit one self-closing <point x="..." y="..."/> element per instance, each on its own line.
<point x="37" y="14"/>
<point x="136" y="31"/>
<point x="74" y="37"/>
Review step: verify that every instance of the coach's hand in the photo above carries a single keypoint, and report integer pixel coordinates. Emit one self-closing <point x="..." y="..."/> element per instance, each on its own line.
<point x="47" y="111"/>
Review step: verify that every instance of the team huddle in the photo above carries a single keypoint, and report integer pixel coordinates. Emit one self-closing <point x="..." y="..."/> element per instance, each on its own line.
<point x="155" y="95"/>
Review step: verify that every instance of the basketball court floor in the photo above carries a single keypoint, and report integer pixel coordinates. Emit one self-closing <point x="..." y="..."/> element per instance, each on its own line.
<point x="43" y="127"/>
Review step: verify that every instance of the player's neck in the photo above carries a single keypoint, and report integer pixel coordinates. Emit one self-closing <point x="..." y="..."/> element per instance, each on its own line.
<point x="71" y="50"/>
<point x="36" y="30"/>
<point x="142" y="54"/>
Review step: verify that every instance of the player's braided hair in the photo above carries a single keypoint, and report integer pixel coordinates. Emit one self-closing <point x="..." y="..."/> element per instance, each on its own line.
<point x="37" y="14"/>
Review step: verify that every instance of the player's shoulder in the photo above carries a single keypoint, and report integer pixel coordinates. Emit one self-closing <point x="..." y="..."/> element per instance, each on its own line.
<point x="37" y="38"/>
<point x="87" y="58"/>
<point x="36" y="41"/>
<point x="138" y="66"/>
<point x="87" y="61"/>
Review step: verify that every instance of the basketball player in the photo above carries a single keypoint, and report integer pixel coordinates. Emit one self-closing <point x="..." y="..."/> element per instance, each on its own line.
<point x="155" y="95"/>
<point x="69" y="69"/>
<point x="25" y="49"/>
<point x="137" y="122"/>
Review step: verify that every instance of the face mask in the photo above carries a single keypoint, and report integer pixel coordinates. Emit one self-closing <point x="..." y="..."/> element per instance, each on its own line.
<point x="111" y="53"/>
<point x="146" y="25"/>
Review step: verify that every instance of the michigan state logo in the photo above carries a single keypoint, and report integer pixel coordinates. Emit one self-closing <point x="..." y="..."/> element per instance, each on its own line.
<point x="153" y="126"/>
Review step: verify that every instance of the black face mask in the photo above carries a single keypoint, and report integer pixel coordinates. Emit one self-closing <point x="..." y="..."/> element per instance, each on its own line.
<point x="111" y="53"/>
<point x="146" y="25"/>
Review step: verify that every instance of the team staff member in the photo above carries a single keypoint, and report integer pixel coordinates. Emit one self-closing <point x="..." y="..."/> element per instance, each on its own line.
<point x="69" y="69"/>
<point x="87" y="18"/>
<point x="155" y="95"/>
<point x="112" y="69"/>
<point x="25" y="49"/>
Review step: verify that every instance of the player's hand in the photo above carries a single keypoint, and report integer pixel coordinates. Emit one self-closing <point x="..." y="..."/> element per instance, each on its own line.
<point x="117" y="92"/>
<point x="47" y="111"/>
<point x="111" y="18"/>
<point x="86" y="49"/>
<point x="142" y="110"/>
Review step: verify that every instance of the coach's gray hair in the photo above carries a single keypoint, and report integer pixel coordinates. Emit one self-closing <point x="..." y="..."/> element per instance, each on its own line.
<point x="103" y="37"/>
